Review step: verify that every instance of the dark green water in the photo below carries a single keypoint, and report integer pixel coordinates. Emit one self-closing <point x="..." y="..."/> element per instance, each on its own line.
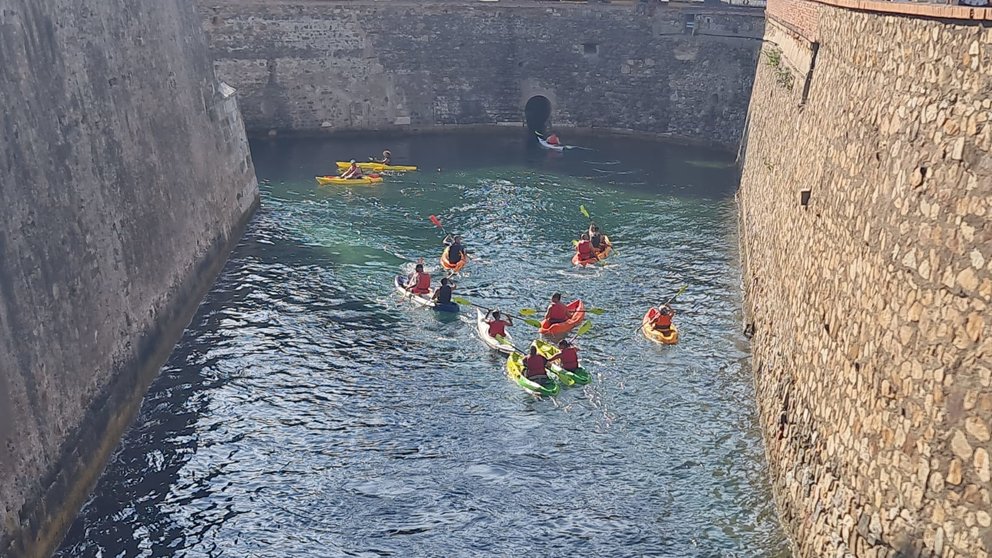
<point x="308" y="411"/>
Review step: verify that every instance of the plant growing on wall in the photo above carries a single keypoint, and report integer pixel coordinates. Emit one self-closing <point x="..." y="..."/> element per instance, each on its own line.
<point x="783" y="75"/>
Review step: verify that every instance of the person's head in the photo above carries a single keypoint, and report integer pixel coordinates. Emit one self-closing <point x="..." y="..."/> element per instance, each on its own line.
<point x="533" y="350"/>
<point x="556" y="297"/>
<point x="585" y="236"/>
<point x="563" y="344"/>
<point x="387" y="153"/>
<point x="458" y="239"/>
<point x="352" y="162"/>
<point x="420" y="268"/>
<point x="445" y="281"/>
<point x="665" y="310"/>
<point x="496" y="314"/>
<point x="593" y="228"/>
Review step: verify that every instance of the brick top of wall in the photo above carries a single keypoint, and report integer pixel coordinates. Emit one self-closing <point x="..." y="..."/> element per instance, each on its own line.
<point x="801" y="16"/>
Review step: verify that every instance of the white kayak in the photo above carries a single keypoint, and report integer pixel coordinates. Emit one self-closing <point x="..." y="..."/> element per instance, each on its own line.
<point x="547" y="145"/>
<point x="501" y="344"/>
<point x="423" y="300"/>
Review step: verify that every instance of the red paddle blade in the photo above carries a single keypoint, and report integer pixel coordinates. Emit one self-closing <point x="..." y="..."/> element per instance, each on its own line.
<point x="435" y="220"/>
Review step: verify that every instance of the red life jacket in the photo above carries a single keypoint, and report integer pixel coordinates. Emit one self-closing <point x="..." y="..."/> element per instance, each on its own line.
<point x="535" y="366"/>
<point x="663" y="321"/>
<point x="569" y="358"/>
<point x="423" y="285"/>
<point x="558" y="312"/>
<point x="553" y="139"/>
<point x="584" y="249"/>
<point x="497" y="327"/>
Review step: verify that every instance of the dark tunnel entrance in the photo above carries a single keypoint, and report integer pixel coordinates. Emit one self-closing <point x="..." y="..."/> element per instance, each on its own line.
<point x="537" y="113"/>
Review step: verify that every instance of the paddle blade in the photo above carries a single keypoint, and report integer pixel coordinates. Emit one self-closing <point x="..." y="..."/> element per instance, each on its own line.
<point x="460" y="300"/>
<point x="582" y="208"/>
<point x="436" y="221"/>
<point x="532" y="322"/>
<point x="584" y="328"/>
<point x="596" y="311"/>
<point x="527" y="312"/>
<point x="575" y="243"/>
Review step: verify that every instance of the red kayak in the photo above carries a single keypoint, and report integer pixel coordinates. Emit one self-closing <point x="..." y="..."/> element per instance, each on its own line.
<point x="577" y="313"/>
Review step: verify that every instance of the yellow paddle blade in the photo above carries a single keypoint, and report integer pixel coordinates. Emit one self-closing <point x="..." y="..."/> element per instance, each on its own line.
<point x="527" y="312"/>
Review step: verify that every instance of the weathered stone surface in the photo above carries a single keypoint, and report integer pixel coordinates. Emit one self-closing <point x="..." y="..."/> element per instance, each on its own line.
<point x="361" y="66"/>
<point x="871" y="304"/>
<point x="125" y="177"/>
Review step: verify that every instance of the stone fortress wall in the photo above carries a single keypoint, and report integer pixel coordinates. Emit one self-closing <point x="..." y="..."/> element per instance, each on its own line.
<point x="336" y="65"/>
<point x="866" y="231"/>
<point x="125" y="179"/>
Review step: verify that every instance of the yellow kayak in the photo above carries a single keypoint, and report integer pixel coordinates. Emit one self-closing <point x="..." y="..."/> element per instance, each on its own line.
<point x="323" y="180"/>
<point x="377" y="167"/>
<point x="656" y="335"/>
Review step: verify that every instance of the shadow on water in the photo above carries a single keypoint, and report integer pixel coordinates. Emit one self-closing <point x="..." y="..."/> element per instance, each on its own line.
<point x="308" y="410"/>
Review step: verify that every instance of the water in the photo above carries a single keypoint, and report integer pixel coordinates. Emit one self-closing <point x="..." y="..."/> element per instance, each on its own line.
<point x="308" y="411"/>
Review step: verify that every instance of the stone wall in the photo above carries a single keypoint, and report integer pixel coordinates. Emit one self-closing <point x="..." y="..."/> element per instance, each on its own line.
<point x="125" y="178"/>
<point x="867" y="243"/>
<point x="350" y="65"/>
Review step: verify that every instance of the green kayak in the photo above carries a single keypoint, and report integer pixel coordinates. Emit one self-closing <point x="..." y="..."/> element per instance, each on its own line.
<point x="579" y="376"/>
<point x="537" y="386"/>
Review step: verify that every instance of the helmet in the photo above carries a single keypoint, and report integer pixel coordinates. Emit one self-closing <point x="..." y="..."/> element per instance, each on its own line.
<point x="387" y="152"/>
<point x="352" y="161"/>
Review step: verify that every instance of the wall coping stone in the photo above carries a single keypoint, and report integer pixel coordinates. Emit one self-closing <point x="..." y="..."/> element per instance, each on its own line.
<point x="940" y="11"/>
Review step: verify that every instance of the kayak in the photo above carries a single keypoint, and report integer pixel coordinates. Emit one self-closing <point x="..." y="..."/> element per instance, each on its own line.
<point x="671" y="338"/>
<point x="547" y="145"/>
<point x="537" y="386"/>
<point x="455" y="268"/>
<point x="323" y="180"/>
<point x="377" y="167"/>
<point x="578" y="311"/>
<point x="503" y="344"/>
<point x="600" y="255"/>
<point x="568" y="377"/>
<point x="423" y="300"/>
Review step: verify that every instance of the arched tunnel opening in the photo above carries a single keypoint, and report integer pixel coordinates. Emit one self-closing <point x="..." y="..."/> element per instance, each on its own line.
<point x="537" y="113"/>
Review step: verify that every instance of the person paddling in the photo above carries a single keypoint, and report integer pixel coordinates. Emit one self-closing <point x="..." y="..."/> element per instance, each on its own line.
<point x="353" y="171"/>
<point x="553" y="139"/>
<point x="535" y="365"/>
<point x="498" y="323"/>
<point x="557" y="312"/>
<point x="584" y="248"/>
<point x="419" y="281"/>
<point x="663" y="321"/>
<point x="387" y="158"/>
<point x="597" y="238"/>
<point x="443" y="293"/>
<point x="455" y="250"/>
<point x="568" y="355"/>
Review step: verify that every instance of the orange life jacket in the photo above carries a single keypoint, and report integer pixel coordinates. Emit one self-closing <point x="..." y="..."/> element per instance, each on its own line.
<point x="423" y="285"/>
<point x="584" y="248"/>
<point x="663" y="321"/>
<point x="558" y="312"/>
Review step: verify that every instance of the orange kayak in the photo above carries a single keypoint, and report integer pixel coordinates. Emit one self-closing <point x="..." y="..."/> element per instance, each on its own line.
<point x="656" y="335"/>
<point x="600" y="254"/>
<point x="453" y="267"/>
<point x="578" y="313"/>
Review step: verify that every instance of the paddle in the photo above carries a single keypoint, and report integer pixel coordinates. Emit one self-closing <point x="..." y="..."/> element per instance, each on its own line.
<point x="437" y="223"/>
<point x="528" y="321"/>
<point x="584" y="328"/>
<point x="669" y="301"/>
<point x="532" y="312"/>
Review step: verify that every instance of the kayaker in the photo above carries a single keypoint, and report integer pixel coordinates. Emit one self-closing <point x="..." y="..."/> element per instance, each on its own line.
<point x="387" y="158"/>
<point x="557" y="312"/>
<point x="455" y="249"/>
<point x="553" y="139"/>
<point x="568" y="355"/>
<point x="535" y="365"/>
<point x="443" y="293"/>
<point x="419" y="281"/>
<point x="354" y="171"/>
<point x="663" y="322"/>
<point x="497" y="325"/>
<point x="596" y="238"/>
<point x="584" y="248"/>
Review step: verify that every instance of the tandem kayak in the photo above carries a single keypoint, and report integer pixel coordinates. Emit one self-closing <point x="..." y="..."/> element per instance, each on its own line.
<point x="578" y="376"/>
<point x="377" y="167"/>
<point x="536" y="386"/>
<point x="578" y="313"/>
<point x="600" y="255"/>
<point x="656" y="335"/>
<point x="423" y="300"/>
<point x="324" y="180"/>
<point x="455" y="268"/>
<point x="547" y="145"/>
<point x="503" y="344"/>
